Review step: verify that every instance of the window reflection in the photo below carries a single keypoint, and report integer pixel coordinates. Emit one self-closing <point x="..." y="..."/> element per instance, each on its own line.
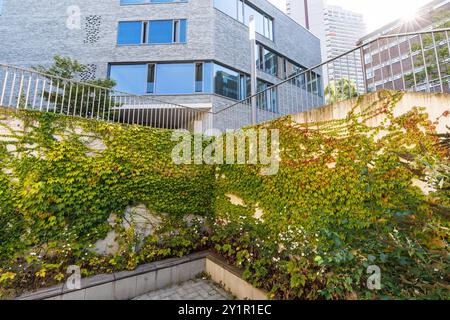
<point x="130" y="32"/>
<point x="226" y="82"/>
<point x="153" y="32"/>
<point x="130" y="78"/>
<point x="175" y="78"/>
<point x="242" y="11"/>
<point x="161" y="31"/>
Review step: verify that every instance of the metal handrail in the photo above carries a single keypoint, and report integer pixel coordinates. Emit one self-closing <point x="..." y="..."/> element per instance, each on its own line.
<point x="79" y="82"/>
<point x="304" y="72"/>
<point x="23" y="88"/>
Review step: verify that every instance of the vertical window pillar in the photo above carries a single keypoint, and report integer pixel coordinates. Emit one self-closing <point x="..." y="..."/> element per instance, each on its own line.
<point x="176" y="31"/>
<point x="199" y="77"/>
<point x="144" y="31"/>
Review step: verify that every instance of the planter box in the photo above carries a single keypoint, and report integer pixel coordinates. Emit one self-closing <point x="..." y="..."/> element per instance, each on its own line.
<point x="127" y="285"/>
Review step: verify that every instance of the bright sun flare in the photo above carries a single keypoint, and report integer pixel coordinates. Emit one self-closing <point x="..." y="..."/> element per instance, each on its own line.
<point x="409" y="14"/>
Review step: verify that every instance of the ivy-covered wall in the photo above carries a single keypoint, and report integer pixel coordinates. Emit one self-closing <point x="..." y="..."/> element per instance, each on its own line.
<point x="62" y="177"/>
<point x="347" y="196"/>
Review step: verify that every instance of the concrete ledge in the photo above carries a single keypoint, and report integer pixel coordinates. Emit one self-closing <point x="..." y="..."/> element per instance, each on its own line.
<point x="126" y="285"/>
<point x="231" y="278"/>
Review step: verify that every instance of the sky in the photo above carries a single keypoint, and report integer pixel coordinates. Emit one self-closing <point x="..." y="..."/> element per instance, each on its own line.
<point x="376" y="13"/>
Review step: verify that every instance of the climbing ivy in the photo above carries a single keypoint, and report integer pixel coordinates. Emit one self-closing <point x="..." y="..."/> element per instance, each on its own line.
<point x="346" y="197"/>
<point x="62" y="177"/>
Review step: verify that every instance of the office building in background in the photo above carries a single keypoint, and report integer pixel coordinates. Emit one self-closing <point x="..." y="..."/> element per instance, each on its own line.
<point x="339" y="31"/>
<point x="386" y="60"/>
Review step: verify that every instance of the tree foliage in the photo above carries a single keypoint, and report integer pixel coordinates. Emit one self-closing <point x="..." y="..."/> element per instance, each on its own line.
<point x="340" y="90"/>
<point x="90" y="98"/>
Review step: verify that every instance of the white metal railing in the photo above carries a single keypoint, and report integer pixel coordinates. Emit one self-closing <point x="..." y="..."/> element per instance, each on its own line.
<point x="417" y="61"/>
<point x="22" y="88"/>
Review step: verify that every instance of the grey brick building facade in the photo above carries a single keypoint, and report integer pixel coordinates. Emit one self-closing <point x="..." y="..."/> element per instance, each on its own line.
<point x="33" y="31"/>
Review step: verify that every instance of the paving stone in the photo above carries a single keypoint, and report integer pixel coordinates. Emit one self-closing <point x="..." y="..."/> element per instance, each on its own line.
<point x="198" y="289"/>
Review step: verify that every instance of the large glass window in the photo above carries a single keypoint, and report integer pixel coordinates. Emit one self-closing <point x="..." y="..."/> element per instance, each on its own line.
<point x="153" y="32"/>
<point x="270" y="62"/>
<point x="189" y="78"/>
<point x="161" y="31"/>
<point x="226" y="82"/>
<point x="130" y="32"/>
<point x="130" y="78"/>
<point x="281" y="67"/>
<point x="182" y="31"/>
<point x="241" y="11"/>
<point x="175" y="78"/>
<point x="208" y="77"/>
<point x="227" y="6"/>
<point x="164" y="78"/>
<point x="268" y="99"/>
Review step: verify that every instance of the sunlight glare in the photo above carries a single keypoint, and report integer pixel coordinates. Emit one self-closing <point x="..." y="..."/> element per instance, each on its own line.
<point x="409" y="14"/>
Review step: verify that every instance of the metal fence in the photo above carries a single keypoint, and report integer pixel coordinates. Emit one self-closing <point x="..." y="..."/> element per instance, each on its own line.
<point x="29" y="89"/>
<point x="418" y="62"/>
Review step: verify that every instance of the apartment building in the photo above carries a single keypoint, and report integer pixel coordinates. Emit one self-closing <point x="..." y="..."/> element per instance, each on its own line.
<point x="190" y="52"/>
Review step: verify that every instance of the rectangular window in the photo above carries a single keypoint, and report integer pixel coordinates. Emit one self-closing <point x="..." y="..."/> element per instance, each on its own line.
<point x="267" y="99"/>
<point x="130" y="78"/>
<point x="241" y="11"/>
<point x="161" y="31"/>
<point x="274" y="64"/>
<point x="245" y="89"/>
<point x="175" y="78"/>
<point x="165" y="78"/>
<point x="130" y="32"/>
<point x="153" y="32"/>
<point x="183" y="31"/>
<point x="208" y="77"/>
<point x="227" y="6"/>
<point x="188" y="78"/>
<point x="264" y="23"/>
<point x="226" y="82"/>
<point x="270" y="62"/>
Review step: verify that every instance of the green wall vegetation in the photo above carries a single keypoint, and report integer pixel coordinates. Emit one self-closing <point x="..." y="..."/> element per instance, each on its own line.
<point x="344" y="199"/>
<point x="57" y="192"/>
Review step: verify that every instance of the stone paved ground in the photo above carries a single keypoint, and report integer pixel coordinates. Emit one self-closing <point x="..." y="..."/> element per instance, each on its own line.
<point x="198" y="289"/>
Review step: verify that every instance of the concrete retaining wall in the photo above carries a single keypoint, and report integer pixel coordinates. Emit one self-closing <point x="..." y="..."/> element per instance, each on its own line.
<point x="231" y="279"/>
<point x="435" y="104"/>
<point x="127" y="285"/>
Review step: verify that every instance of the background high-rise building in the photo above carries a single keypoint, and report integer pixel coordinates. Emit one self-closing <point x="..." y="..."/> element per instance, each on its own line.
<point x="343" y="28"/>
<point x="338" y="29"/>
